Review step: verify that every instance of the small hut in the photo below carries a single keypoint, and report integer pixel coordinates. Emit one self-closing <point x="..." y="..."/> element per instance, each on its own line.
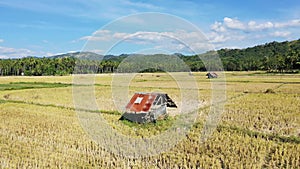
<point x="147" y="107"/>
<point x="212" y="75"/>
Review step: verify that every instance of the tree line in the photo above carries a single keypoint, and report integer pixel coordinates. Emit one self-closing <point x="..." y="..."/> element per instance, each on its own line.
<point x="271" y="57"/>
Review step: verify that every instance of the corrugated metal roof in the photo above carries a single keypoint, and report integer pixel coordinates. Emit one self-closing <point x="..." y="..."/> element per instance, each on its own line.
<point x="146" y="107"/>
<point x="141" y="102"/>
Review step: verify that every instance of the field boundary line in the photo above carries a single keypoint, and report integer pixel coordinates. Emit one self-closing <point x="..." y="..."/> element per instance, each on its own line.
<point x="58" y="106"/>
<point x="257" y="134"/>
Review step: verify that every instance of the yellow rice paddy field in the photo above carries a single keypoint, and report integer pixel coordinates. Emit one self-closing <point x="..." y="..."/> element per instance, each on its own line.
<point x="259" y="127"/>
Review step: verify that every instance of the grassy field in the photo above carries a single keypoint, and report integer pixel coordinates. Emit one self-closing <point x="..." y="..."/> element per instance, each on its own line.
<point x="259" y="128"/>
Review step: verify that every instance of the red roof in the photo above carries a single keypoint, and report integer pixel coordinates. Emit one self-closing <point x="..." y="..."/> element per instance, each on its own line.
<point x="141" y="102"/>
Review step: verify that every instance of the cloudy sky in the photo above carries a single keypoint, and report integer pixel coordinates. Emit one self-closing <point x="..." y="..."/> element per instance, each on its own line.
<point x="48" y="27"/>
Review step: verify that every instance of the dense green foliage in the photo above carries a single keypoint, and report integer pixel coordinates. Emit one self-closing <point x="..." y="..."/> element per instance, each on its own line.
<point x="32" y="66"/>
<point x="272" y="57"/>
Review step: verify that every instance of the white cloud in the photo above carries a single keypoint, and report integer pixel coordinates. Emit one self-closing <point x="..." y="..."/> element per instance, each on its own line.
<point x="48" y="54"/>
<point x="99" y="35"/>
<point x="120" y="35"/>
<point x="218" y="27"/>
<point x="101" y="32"/>
<point x="252" y="25"/>
<point x="233" y="23"/>
<point x="283" y="34"/>
<point x="291" y="23"/>
<point x="7" y="52"/>
<point x="239" y="25"/>
<point x="98" y="51"/>
<point x="177" y="40"/>
<point x="171" y="48"/>
<point x="148" y="37"/>
<point x="217" y="38"/>
<point x="233" y="32"/>
<point x="180" y="35"/>
<point x="1" y="40"/>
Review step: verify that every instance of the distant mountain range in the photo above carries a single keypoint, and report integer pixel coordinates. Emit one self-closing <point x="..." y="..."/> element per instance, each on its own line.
<point x="281" y="47"/>
<point x="91" y="56"/>
<point x="272" y="57"/>
<point x="78" y="55"/>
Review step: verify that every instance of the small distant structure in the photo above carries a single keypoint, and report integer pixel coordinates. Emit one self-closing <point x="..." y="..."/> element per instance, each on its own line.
<point x="212" y="75"/>
<point x="148" y="107"/>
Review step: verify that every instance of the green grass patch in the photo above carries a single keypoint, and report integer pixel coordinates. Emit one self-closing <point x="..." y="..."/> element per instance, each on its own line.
<point x="31" y="85"/>
<point x="141" y="80"/>
<point x="2" y="101"/>
<point x="114" y="112"/>
<point x="159" y="125"/>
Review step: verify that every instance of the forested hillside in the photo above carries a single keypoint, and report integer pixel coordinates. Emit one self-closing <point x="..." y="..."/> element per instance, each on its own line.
<point x="274" y="56"/>
<point x="271" y="57"/>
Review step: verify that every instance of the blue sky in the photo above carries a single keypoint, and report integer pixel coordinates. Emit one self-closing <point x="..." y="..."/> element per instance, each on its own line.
<point x="48" y="27"/>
